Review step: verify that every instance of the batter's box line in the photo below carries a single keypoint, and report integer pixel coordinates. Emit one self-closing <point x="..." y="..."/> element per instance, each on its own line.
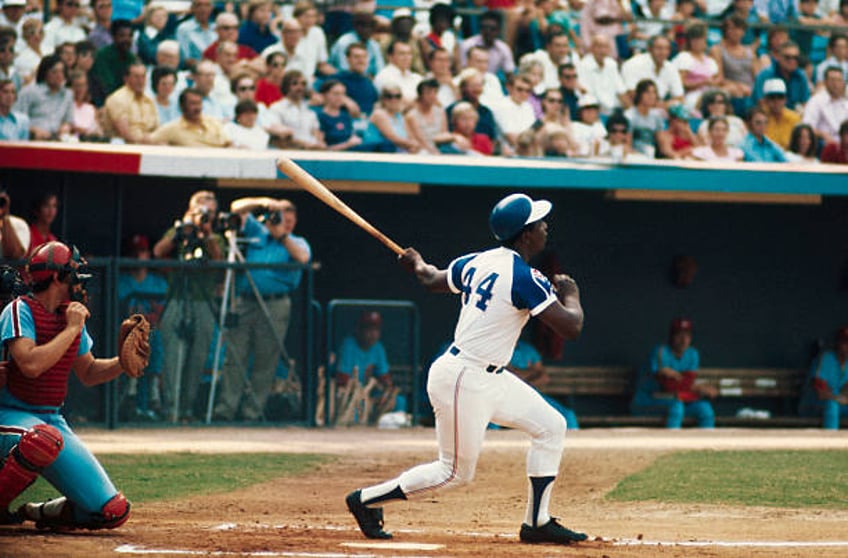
<point x="134" y="549"/>
<point x="346" y="528"/>
<point x="731" y="544"/>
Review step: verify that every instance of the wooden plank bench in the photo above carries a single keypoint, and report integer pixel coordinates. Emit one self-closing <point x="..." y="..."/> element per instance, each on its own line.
<point x="785" y="384"/>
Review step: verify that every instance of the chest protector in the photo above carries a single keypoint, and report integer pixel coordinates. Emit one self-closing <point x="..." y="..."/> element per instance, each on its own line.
<point x="50" y="388"/>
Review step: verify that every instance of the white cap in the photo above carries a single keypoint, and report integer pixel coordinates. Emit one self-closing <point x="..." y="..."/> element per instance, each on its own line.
<point x="774" y="86"/>
<point x="588" y="100"/>
<point x="11" y="3"/>
<point x="401" y="12"/>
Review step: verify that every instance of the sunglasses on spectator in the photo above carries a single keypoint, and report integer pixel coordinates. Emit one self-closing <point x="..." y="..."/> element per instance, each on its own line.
<point x="553" y="99"/>
<point x="246" y="88"/>
<point x="522" y="89"/>
<point x="569" y="76"/>
<point x="10" y="49"/>
<point x="225" y="27"/>
<point x="792" y="57"/>
<point x="392" y="95"/>
<point x="759" y="121"/>
<point x="618" y="130"/>
<point x="278" y="64"/>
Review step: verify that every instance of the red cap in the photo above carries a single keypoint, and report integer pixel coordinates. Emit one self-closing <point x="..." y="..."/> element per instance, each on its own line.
<point x="138" y="243"/>
<point x="681" y="324"/>
<point x="842" y="334"/>
<point x="370" y="319"/>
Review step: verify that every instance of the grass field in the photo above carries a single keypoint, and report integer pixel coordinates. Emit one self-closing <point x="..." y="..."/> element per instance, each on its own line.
<point x="151" y="477"/>
<point x="791" y="479"/>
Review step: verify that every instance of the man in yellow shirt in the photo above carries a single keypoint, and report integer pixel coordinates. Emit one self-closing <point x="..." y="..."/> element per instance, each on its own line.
<point x="193" y="129"/>
<point x="129" y="113"/>
<point x="781" y="120"/>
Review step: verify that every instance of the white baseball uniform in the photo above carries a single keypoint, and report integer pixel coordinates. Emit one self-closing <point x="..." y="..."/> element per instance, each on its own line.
<point x="469" y="388"/>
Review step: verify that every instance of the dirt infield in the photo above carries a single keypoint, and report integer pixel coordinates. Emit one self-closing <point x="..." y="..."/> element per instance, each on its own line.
<point x="305" y="516"/>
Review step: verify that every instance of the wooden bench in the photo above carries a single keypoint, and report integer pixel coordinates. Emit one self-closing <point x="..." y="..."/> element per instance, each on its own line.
<point x="783" y="384"/>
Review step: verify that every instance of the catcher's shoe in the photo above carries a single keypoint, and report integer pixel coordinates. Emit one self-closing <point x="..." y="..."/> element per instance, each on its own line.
<point x="370" y="520"/>
<point x="550" y="532"/>
<point x="53" y="514"/>
<point x="10" y="518"/>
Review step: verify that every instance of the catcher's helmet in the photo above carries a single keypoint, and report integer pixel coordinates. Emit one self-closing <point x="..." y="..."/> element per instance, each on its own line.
<point x="512" y="213"/>
<point x="52" y="257"/>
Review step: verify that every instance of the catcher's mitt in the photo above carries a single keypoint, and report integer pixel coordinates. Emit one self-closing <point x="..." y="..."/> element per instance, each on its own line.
<point x="134" y="345"/>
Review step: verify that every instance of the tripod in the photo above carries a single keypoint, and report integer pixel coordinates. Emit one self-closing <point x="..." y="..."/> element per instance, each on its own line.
<point x="235" y="255"/>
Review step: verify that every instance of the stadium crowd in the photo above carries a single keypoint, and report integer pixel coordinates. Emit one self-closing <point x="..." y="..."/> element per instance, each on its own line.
<point x="726" y="80"/>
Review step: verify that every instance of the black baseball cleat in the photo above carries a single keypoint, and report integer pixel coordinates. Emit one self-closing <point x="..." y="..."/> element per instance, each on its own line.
<point x="550" y="532"/>
<point x="10" y="518"/>
<point x="370" y="520"/>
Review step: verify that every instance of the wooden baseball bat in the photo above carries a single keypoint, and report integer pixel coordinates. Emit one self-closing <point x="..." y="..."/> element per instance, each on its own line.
<point x="314" y="187"/>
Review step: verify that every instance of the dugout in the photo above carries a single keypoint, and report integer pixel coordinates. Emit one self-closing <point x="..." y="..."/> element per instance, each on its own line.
<point x="769" y="242"/>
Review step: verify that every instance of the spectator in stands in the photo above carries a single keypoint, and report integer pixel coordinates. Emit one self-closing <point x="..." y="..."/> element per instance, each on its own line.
<point x="825" y="393"/>
<point x="7" y="57"/>
<point x="806" y="17"/>
<point x="532" y="70"/>
<point x="205" y="74"/>
<point x="466" y="140"/>
<point x="643" y="31"/>
<point x="84" y="59"/>
<point x="501" y="61"/>
<point x="128" y="113"/>
<point x="598" y="75"/>
<point x="604" y="17"/>
<point x="717" y="148"/>
<point x="314" y="40"/>
<point x="698" y="71"/>
<point x="14" y="231"/>
<point x="64" y="27"/>
<point x="493" y="93"/>
<point x="243" y="87"/>
<point x="85" y="123"/>
<point x="646" y="120"/>
<point x="557" y="51"/>
<point x="399" y="72"/>
<point x="553" y="141"/>
<point x="363" y="29"/>
<point x="294" y="48"/>
<point x="387" y="130"/>
<point x="441" y="34"/>
<point x="655" y="66"/>
<point x="618" y="143"/>
<point x="756" y="146"/>
<point x="737" y="62"/>
<point x="744" y="9"/>
<point x="255" y="32"/>
<point x="569" y="88"/>
<point x="776" y="36"/>
<point x="802" y="145"/>
<point x="777" y="11"/>
<point x="47" y="103"/>
<point x="683" y="18"/>
<point x="786" y="68"/>
<point x="837" y="151"/>
<point x="14" y="126"/>
<point x="828" y="108"/>
<point x="227" y="29"/>
<point x="515" y="114"/>
<point x="678" y="141"/>
<point x="359" y="86"/>
<point x="837" y="46"/>
<point x="196" y="33"/>
<point x="553" y="114"/>
<point x="400" y="29"/>
<point x="716" y="102"/>
<point x="588" y="129"/>
<point x="245" y="132"/>
<point x="193" y="129"/>
<point x="293" y="112"/>
<point x="14" y="15"/>
<point x="268" y="87"/>
<point x="111" y="62"/>
<point x="67" y="52"/>
<point x="164" y="81"/>
<point x="471" y="89"/>
<point x="155" y="31"/>
<point x="44" y="211"/>
<point x="31" y="54"/>
<point x="781" y="120"/>
<point x="526" y="363"/>
<point x="100" y="35"/>
<point x="168" y="55"/>
<point x="335" y="119"/>
<point x="666" y="386"/>
<point x="228" y="68"/>
<point x="426" y="120"/>
<point x="439" y="62"/>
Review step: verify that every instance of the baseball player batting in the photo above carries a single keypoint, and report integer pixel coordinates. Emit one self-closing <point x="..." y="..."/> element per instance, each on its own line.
<point x="468" y="385"/>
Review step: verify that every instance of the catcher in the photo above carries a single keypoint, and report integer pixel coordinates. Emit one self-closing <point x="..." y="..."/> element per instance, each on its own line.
<point x="45" y="337"/>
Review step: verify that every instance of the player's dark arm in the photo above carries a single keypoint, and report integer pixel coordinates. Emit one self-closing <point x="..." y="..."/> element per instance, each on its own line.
<point x="95" y="371"/>
<point x="565" y="317"/>
<point x="431" y="277"/>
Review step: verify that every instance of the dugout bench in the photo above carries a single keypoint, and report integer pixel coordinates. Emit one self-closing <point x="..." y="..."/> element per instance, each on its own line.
<point x="612" y="387"/>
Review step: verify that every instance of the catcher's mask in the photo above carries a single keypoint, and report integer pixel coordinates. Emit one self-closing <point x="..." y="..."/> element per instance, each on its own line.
<point x="55" y="257"/>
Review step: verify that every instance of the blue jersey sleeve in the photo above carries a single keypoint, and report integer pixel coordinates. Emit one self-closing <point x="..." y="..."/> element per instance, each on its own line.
<point x="347" y="356"/>
<point x="455" y="272"/>
<point x="16" y="321"/>
<point x="86" y="343"/>
<point x="530" y="288"/>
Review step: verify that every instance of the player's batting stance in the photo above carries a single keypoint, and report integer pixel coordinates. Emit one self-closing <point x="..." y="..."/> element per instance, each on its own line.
<point x="468" y="385"/>
<point x="44" y="337"/>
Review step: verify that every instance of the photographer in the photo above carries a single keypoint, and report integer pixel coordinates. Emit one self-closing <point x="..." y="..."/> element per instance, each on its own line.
<point x="14" y="231"/>
<point x="188" y="321"/>
<point x="270" y="240"/>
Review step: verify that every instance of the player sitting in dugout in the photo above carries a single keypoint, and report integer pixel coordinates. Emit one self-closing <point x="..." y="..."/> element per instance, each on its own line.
<point x="826" y="390"/>
<point x="667" y="386"/>
<point x="362" y="356"/>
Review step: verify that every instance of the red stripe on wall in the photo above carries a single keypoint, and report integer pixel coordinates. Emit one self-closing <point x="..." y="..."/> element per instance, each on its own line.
<point x="63" y="159"/>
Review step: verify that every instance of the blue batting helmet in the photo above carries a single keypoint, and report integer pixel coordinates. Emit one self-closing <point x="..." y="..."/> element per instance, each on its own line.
<point x="515" y="211"/>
